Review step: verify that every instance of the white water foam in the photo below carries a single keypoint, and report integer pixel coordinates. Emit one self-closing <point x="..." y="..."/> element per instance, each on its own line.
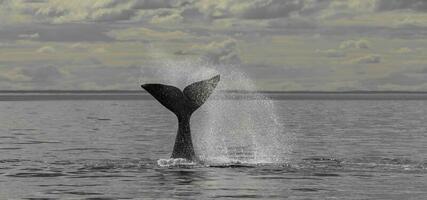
<point x="246" y="130"/>
<point x="172" y="162"/>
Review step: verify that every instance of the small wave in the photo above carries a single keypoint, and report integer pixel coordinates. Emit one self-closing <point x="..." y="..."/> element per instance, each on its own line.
<point x="61" y="162"/>
<point x="175" y="162"/>
<point x="323" y="160"/>
<point x="69" y="185"/>
<point x="23" y="129"/>
<point x="85" y="149"/>
<point x="307" y="189"/>
<point x="11" y="160"/>
<point x="383" y="160"/>
<point x="7" y="137"/>
<point x="233" y="164"/>
<point x="101" y="176"/>
<point x="10" y="148"/>
<point x="82" y="193"/>
<point x="107" y="165"/>
<point x="103" y="119"/>
<point x="325" y="174"/>
<point x="239" y="196"/>
<point x="37" y="142"/>
<point x="32" y="169"/>
<point x="387" y="163"/>
<point x="30" y="175"/>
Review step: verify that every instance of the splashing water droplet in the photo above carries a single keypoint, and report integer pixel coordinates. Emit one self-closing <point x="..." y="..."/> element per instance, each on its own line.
<point x="243" y="128"/>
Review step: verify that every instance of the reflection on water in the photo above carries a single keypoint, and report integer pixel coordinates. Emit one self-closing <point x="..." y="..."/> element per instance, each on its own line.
<point x="112" y="150"/>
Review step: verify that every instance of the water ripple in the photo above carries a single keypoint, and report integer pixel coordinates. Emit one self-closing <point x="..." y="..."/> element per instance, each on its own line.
<point x="30" y="175"/>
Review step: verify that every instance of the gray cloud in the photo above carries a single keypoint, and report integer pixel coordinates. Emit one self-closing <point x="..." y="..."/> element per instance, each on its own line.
<point x="56" y="32"/>
<point x="292" y="23"/>
<point x="91" y="77"/>
<point x="332" y="53"/>
<point x="268" y="71"/>
<point x="405" y="50"/>
<point x="188" y="27"/>
<point x="46" y="49"/>
<point x="411" y="24"/>
<point x="423" y="71"/>
<point x="121" y="10"/>
<point x="385" y="5"/>
<point x="224" y="52"/>
<point x="43" y="76"/>
<point x="29" y="36"/>
<point x="270" y="9"/>
<point x="369" y="59"/>
<point x="105" y="77"/>
<point x="260" y="9"/>
<point x="400" y="80"/>
<point x="59" y="12"/>
<point x="35" y="1"/>
<point x="355" y="44"/>
<point x="154" y="4"/>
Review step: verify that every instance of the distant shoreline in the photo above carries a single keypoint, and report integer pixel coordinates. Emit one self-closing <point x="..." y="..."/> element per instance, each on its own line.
<point x="221" y="91"/>
<point x="54" y="95"/>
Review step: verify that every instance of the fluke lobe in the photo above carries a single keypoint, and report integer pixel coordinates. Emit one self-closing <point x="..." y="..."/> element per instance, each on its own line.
<point x="183" y="104"/>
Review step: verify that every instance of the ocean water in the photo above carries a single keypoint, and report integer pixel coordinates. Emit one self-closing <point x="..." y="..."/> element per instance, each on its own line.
<point x="110" y="149"/>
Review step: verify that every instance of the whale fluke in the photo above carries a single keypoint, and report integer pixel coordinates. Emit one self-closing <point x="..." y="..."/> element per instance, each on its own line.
<point x="183" y="104"/>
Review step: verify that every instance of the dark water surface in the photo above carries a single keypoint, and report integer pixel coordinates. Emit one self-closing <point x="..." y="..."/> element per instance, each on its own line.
<point x="346" y="149"/>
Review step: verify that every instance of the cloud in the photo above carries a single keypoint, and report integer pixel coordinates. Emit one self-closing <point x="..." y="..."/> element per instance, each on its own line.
<point x="386" y="5"/>
<point x="83" y="11"/>
<point x="43" y="75"/>
<point x="105" y="77"/>
<point x="332" y="53"/>
<point x="355" y="44"/>
<point x="423" y="70"/>
<point x="46" y="49"/>
<point x="399" y="80"/>
<point x="411" y="23"/>
<point x="75" y="32"/>
<point x="79" y="46"/>
<point x="58" y="11"/>
<point x="155" y="4"/>
<point x="224" y="52"/>
<point x="5" y="45"/>
<point x="117" y="32"/>
<point x="29" y="36"/>
<point x="292" y="23"/>
<point x="99" y="50"/>
<point x="266" y="9"/>
<point x="337" y="9"/>
<point x="13" y="75"/>
<point x="143" y="34"/>
<point x="32" y="77"/>
<point x="404" y="50"/>
<point x="255" y="9"/>
<point x="369" y="59"/>
<point x="167" y="19"/>
<point x="90" y="76"/>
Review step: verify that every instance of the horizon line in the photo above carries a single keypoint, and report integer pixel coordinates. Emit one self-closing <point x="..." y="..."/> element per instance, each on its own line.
<point x="222" y="91"/>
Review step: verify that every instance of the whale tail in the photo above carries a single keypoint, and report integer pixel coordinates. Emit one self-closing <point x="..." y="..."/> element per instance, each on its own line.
<point x="183" y="104"/>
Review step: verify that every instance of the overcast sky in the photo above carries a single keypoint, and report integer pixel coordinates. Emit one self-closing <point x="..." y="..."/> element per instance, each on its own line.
<point x="286" y="45"/>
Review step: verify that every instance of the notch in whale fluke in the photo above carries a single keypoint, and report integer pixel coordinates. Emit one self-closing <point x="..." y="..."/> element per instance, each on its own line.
<point x="183" y="104"/>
